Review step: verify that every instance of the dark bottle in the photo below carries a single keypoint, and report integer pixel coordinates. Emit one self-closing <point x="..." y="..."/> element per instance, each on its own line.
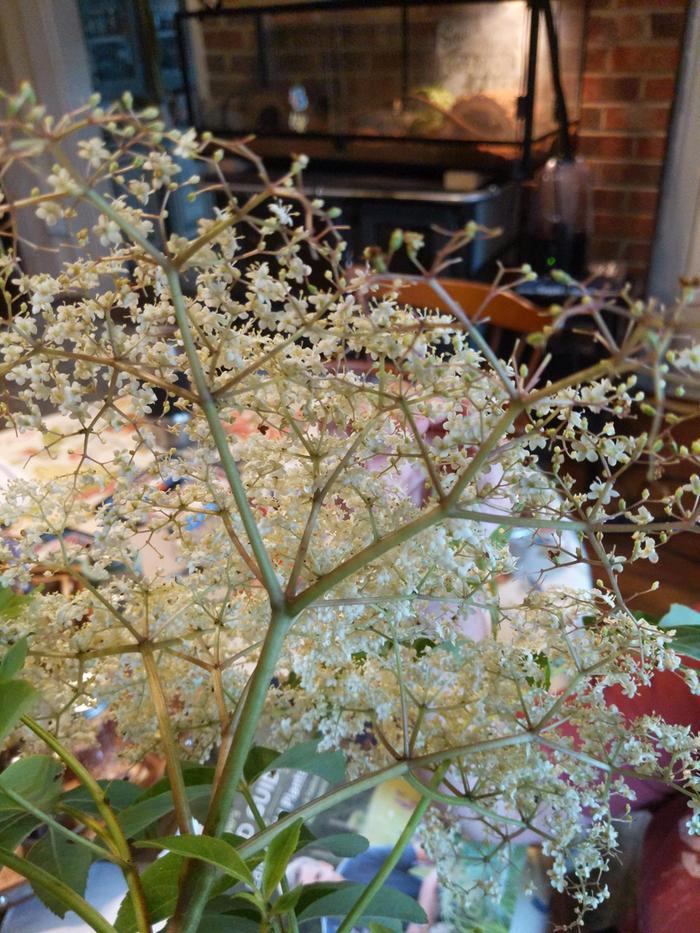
<point x="560" y="218"/>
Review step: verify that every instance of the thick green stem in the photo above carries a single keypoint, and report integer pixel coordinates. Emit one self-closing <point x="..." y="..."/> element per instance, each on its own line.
<point x="112" y="826"/>
<point x="197" y="882"/>
<point x="358" y="908"/>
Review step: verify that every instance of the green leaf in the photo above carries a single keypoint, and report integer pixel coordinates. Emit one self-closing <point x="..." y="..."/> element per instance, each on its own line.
<point x="301" y="757"/>
<point x="36" y="875"/>
<point x="277" y="857"/>
<point x="144" y="812"/>
<point x="680" y="617"/>
<point x="687" y="641"/>
<point x="383" y="928"/>
<point x="161" y="886"/>
<point x="686" y="622"/>
<point x="209" y="849"/>
<point x="287" y="901"/>
<point x="120" y="794"/>
<point x="387" y="904"/>
<point x="542" y="661"/>
<point x="258" y="762"/>
<point x="11" y="603"/>
<point x="15" y="827"/>
<point x="13" y="662"/>
<point x="304" y="757"/>
<point x="15" y="697"/>
<point x="36" y="778"/>
<point x="344" y="845"/>
<point x="230" y="913"/>
<point x="228" y="923"/>
<point x="308" y="894"/>
<point x="64" y="859"/>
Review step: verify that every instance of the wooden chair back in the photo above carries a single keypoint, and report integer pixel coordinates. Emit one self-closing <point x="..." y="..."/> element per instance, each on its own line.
<point x="504" y="310"/>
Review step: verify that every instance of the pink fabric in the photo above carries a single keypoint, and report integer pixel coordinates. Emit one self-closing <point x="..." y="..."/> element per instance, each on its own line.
<point x="668" y="891"/>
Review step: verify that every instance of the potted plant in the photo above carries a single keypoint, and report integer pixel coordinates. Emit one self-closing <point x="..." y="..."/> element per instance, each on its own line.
<point x="319" y="557"/>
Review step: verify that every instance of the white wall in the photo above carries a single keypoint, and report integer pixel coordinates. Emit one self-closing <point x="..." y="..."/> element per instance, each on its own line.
<point x="41" y="41"/>
<point x="676" y="251"/>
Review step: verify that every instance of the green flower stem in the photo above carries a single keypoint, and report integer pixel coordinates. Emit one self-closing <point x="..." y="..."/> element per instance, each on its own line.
<point x="377" y="882"/>
<point x="46" y="818"/>
<point x="114" y="830"/>
<point x="452" y="800"/>
<point x="61" y="891"/>
<point x="474" y="333"/>
<point x="395" y="538"/>
<point x="168" y="741"/>
<point x="198" y="879"/>
<point x="367" y="782"/>
<point x="228" y="464"/>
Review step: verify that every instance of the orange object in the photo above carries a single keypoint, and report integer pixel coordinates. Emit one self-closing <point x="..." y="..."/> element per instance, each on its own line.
<point x="502" y="309"/>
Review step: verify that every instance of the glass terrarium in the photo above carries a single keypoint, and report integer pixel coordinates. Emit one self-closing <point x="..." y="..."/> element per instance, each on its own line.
<point x="443" y="83"/>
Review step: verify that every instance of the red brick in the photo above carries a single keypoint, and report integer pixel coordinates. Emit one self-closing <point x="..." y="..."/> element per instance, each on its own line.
<point x="626" y="225"/>
<point x="639" y="253"/>
<point x="641" y="59"/>
<point x="606" y="147"/>
<point x="645" y="201"/>
<point x="635" y="118"/>
<point x="609" y="29"/>
<point x="597" y="60"/>
<point x="608" y="200"/>
<point x="231" y="40"/>
<point x="591" y="118"/>
<point x="603" y="249"/>
<point x="626" y="173"/>
<point x="637" y="276"/>
<point x="667" y="25"/>
<point x="598" y="89"/>
<point x="651" y="147"/>
<point x="653" y="4"/>
<point x="659" y="89"/>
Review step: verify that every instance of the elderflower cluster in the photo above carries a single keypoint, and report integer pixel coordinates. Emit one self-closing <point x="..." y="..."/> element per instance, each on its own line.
<point x="232" y="433"/>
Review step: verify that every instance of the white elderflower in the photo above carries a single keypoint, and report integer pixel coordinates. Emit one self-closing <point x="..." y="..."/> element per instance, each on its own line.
<point x="50" y="212"/>
<point x="93" y="150"/>
<point x="140" y="189"/>
<point x="108" y="231"/>
<point x="365" y="481"/>
<point x="43" y="290"/>
<point x="187" y="145"/>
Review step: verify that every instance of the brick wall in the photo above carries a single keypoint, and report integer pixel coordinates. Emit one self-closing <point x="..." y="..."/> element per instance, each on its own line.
<point x="632" y="57"/>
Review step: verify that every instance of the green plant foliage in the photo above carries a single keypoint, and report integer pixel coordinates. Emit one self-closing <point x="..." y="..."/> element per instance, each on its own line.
<point x="686" y="623"/>
<point x="216" y="852"/>
<point x="277" y="857"/>
<point x="64" y="859"/>
<point x="387" y="905"/>
<point x="160" y="882"/>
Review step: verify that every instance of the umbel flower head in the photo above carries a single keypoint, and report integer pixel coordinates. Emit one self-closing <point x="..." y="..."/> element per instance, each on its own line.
<point x="365" y="522"/>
